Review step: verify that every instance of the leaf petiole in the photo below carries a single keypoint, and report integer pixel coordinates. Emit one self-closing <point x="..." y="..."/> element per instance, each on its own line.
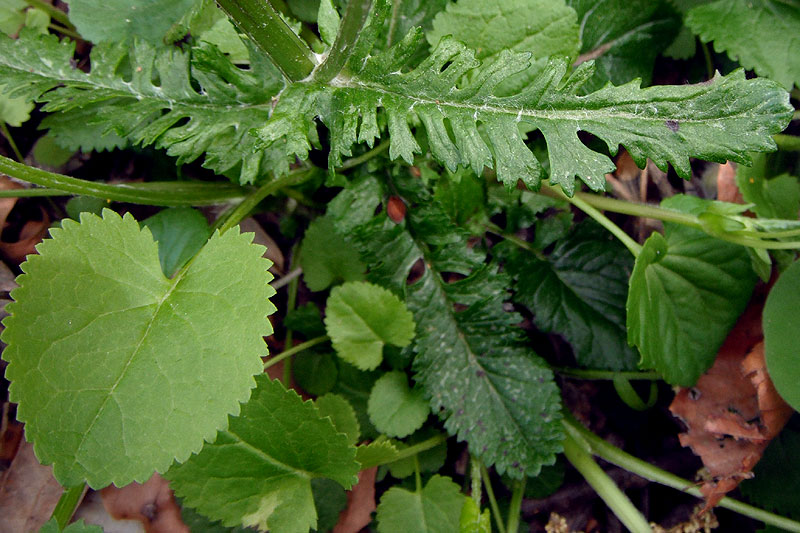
<point x="67" y="504"/>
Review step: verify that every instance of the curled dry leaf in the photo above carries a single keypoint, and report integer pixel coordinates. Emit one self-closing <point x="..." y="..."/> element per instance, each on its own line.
<point x="733" y="411"/>
<point x="151" y="503"/>
<point x="360" y="504"/>
<point x="727" y="190"/>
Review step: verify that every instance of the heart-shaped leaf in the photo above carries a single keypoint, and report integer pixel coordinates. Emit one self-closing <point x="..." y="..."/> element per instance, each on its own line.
<point x="118" y="370"/>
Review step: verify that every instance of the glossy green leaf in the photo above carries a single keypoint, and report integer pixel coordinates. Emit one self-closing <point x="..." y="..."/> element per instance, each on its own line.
<point x="774" y="197"/>
<point x="686" y="291"/>
<point x="361" y="318"/>
<point x="258" y="472"/>
<point x="327" y="258"/>
<point x="579" y="291"/>
<point x="341" y="414"/>
<point x="781" y="338"/>
<point x="396" y="409"/>
<point x="762" y="35"/>
<point x="434" y="509"/>
<point x="125" y="19"/>
<point x="130" y="370"/>
<point x="180" y="232"/>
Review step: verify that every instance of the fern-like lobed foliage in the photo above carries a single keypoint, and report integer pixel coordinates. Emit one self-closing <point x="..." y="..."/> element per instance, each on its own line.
<point x="487" y="385"/>
<point x="190" y="103"/>
<point x="468" y="123"/>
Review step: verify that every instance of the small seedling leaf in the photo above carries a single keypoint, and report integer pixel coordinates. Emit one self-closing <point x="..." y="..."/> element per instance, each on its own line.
<point x="395" y="408"/>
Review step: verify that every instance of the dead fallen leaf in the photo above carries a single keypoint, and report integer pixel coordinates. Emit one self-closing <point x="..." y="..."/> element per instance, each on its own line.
<point x="151" y="503"/>
<point x="31" y="234"/>
<point x="733" y="411"/>
<point x="273" y="253"/>
<point x="360" y="504"/>
<point x="28" y="492"/>
<point x="10" y="434"/>
<point x="727" y="190"/>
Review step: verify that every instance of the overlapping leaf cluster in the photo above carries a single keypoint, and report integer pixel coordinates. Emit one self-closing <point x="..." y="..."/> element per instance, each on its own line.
<point x="190" y="103"/>
<point x="490" y="388"/>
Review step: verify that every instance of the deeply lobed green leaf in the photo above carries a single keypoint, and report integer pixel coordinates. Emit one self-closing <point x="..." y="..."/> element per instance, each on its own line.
<point x="118" y="370"/>
<point x="145" y="95"/>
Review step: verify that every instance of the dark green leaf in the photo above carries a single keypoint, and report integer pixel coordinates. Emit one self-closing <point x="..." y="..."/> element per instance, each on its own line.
<point x="315" y="373"/>
<point x="327" y="258"/>
<point x="781" y="339"/>
<point x="180" y="232"/>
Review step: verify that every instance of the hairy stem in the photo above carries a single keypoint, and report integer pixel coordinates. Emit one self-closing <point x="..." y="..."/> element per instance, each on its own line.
<point x="578" y="453"/>
<point x="264" y="25"/>
<point x="172" y="193"/>
<point x="614" y="455"/>
<point x="355" y="16"/>
<point x="487" y="483"/>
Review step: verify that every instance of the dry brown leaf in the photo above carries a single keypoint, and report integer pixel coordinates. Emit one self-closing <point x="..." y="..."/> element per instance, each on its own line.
<point x="733" y="411"/>
<point x="273" y="253"/>
<point x="360" y="504"/>
<point x="32" y="234"/>
<point x="28" y="493"/>
<point x="727" y="190"/>
<point x="151" y="503"/>
<point x="10" y="434"/>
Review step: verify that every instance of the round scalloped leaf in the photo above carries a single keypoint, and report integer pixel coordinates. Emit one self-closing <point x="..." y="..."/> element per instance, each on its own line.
<point x="781" y="338"/>
<point x="361" y="317"/>
<point x="395" y="408"/>
<point x="118" y="370"/>
<point x="434" y="509"/>
<point x="259" y="471"/>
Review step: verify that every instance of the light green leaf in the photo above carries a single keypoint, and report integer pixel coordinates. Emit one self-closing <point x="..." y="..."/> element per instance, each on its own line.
<point x="327" y="258"/>
<point x="12" y="15"/>
<point x="472" y="520"/>
<point x="124" y="19"/>
<point x="775" y="197"/>
<point x="51" y="526"/>
<point x="361" y="317"/>
<point x="130" y="370"/>
<point x="203" y="105"/>
<point x="541" y="27"/>
<point x="49" y="153"/>
<point x="626" y="36"/>
<point x="258" y="472"/>
<point x="14" y="111"/>
<point x="328" y="21"/>
<point x="376" y="453"/>
<point x="579" y="291"/>
<point x="341" y="414"/>
<point x="434" y="509"/>
<point x="686" y="291"/>
<point x="762" y="35"/>
<point x="180" y="232"/>
<point x="395" y="408"/>
<point x="781" y="339"/>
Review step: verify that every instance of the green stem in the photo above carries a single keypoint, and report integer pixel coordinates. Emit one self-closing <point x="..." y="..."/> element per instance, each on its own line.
<point x="355" y="17"/>
<point x="475" y="480"/>
<point x="417" y="476"/>
<point x="638" y="210"/>
<point x="614" y="455"/>
<point x="796" y="115"/>
<point x="513" y="239"/>
<point x="709" y="61"/>
<point x="634" y="247"/>
<point x="264" y="25"/>
<point x="286" y="279"/>
<point x="53" y="12"/>
<point x="366" y="156"/>
<point x="291" y="303"/>
<point x="578" y="453"/>
<point x="605" y="374"/>
<point x="11" y="143"/>
<point x="170" y="193"/>
<point x="487" y="483"/>
<point x="628" y="394"/>
<point x="789" y="143"/>
<point x="757" y="243"/>
<point x="67" y="504"/>
<point x="515" y="506"/>
<point x="296" y="349"/>
<point x="416" y="449"/>
<point x="65" y="31"/>
<point x="240" y="212"/>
